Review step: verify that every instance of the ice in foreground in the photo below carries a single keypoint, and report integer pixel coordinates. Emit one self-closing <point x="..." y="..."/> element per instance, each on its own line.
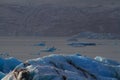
<point x="7" y="65"/>
<point x="66" y="67"/>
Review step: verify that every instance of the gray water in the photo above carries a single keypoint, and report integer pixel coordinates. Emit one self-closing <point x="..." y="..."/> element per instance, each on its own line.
<point x="24" y="48"/>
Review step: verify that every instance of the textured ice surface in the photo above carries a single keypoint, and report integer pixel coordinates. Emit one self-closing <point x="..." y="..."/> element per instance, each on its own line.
<point x="107" y="61"/>
<point x="1" y="75"/>
<point x="66" y="67"/>
<point x="8" y="64"/>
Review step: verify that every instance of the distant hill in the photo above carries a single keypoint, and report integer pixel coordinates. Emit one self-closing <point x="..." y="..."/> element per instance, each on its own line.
<point x="92" y="35"/>
<point x="57" y="18"/>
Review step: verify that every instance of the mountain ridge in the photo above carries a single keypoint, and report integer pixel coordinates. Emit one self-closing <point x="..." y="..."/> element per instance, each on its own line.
<point x="52" y="19"/>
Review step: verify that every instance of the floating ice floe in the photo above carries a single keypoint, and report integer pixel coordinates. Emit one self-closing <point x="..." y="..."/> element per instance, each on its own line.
<point x="40" y="44"/>
<point x="72" y="39"/>
<point x="81" y="44"/>
<point x="47" y="49"/>
<point x="65" y="67"/>
<point x="51" y="49"/>
<point x="4" y="54"/>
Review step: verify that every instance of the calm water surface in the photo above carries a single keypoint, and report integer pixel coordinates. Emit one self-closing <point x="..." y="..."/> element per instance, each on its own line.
<point x="24" y="48"/>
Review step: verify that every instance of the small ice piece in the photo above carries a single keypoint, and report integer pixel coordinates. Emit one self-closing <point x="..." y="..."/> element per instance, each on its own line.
<point x="1" y="75"/>
<point x="51" y="49"/>
<point x="81" y="44"/>
<point x="40" y="44"/>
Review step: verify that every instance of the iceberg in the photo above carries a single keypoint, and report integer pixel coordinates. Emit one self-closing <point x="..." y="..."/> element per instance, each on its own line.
<point x="8" y="64"/>
<point x="65" y="67"/>
<point x="107" y="61"/>
<point x="81" y="44"/>
<point x="1" y="75"/>
<point x="40" y="44"/>
<point x="51" y="49"/>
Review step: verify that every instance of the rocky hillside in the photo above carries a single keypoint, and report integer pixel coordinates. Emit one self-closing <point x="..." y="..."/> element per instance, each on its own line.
<point x="58" y="18"/>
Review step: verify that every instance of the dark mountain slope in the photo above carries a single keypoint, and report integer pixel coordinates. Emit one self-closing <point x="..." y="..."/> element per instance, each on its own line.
<point x="57" y="19"/>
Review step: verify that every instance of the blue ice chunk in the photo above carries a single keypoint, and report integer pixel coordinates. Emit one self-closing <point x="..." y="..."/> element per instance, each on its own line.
<point x="107" y="61"/>
<point x="1" y="64"/>
<point x="92" y="66"/>
<point x="1" y="75"/>
<point x="40" y="44"/>
<point x="51" y="49"/>
<point x="8" y="64"/>
<point x="81" y="44"/>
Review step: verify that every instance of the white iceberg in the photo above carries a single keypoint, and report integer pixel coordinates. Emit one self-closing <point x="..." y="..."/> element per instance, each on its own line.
<point x="64" y="67"/>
